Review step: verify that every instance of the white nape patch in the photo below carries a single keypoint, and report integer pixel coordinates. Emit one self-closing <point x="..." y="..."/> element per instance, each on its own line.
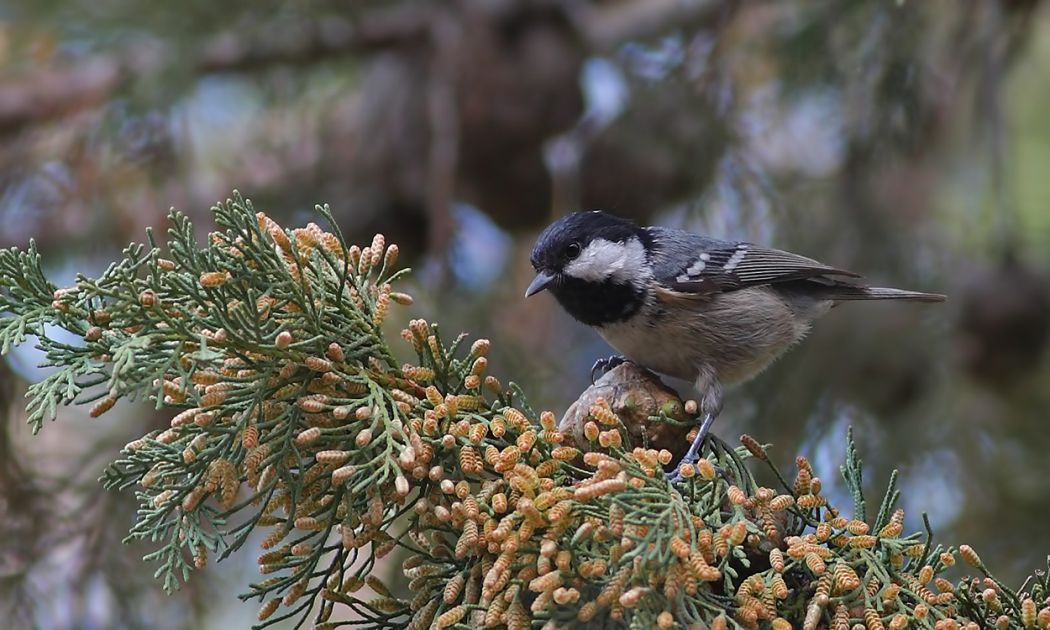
<point x="736" y="258"/>
<point x="604" y="260"/>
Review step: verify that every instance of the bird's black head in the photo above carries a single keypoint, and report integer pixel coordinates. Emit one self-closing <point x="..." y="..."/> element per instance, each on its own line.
<point x="595" y="264"/>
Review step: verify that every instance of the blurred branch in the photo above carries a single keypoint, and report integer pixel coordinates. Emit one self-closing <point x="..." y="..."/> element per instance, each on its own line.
<point x="58" y="92"/>
<point x="607" y="25"/>
<point x="61" y="91"/>
<point x="325" y="37"/>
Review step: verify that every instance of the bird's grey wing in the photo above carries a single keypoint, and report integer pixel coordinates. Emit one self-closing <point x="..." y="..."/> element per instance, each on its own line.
<point x="687" y="263"/>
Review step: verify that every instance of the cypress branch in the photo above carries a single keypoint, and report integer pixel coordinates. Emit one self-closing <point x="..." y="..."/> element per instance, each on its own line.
<point x="293" y="417"/>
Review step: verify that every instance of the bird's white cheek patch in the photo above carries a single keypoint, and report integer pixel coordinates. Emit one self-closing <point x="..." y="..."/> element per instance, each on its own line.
<point x="603" y="260"/>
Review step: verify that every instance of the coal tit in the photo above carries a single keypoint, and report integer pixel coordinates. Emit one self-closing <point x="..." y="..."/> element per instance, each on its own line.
<point x="693" y="307"/>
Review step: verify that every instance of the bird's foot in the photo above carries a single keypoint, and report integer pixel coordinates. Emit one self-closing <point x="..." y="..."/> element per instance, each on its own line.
<point x="693" y="454"/>
<point x="601" y="366"/>
<point x="675" y="476"/>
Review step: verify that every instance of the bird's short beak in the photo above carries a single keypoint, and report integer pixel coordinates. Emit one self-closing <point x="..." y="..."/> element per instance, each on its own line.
<point x="539" y="283"/>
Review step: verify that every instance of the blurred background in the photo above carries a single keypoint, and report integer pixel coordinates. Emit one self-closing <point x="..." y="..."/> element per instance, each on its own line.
<point x="907" y="140"/>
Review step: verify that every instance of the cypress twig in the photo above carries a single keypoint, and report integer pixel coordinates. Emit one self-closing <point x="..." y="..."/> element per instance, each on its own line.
<point x="294" y="417"/>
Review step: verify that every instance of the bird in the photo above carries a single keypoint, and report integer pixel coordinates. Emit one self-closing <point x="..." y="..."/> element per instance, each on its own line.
<point x="710" y="311"/>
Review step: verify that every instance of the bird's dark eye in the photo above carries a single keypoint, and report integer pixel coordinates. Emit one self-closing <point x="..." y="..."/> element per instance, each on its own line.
<point x="572" y="250"/>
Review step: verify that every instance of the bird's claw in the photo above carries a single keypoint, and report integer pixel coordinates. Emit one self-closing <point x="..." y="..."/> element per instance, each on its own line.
<point x="601" y="366"/>
<point x="675" y="476"/>
<point x="693" y="454"/>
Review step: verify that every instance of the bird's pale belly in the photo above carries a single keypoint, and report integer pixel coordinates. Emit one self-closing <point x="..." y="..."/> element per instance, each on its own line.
<point x="736" y="341"/>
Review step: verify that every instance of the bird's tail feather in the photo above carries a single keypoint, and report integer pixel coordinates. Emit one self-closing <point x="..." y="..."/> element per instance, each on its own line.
<point x="881" y="293"/>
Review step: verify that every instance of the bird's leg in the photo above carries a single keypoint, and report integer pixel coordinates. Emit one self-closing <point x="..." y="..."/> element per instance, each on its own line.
<point x="601" y="366"/>
<point x="710" y="406"/>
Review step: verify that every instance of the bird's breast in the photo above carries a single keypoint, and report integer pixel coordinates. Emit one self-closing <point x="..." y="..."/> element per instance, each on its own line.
<point x="654" y="345"/>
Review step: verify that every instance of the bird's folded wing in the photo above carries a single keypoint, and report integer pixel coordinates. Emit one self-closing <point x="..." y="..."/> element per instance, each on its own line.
<point x="726" y="266"/>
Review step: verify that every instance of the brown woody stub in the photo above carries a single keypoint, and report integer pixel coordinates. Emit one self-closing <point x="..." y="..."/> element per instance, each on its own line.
<point x="634" y="394"/>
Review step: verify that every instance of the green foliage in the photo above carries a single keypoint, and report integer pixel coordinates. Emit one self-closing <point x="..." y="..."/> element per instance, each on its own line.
<point x="295" y="417"/>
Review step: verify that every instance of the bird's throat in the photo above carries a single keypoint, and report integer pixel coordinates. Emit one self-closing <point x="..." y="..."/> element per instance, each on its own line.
<point x="598" y="303"/>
